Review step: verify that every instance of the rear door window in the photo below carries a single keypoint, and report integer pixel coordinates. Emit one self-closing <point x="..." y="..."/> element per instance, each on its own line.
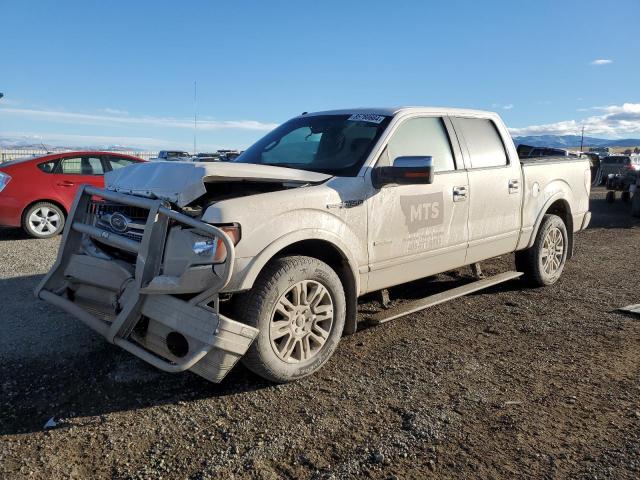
<point x="48" y="167"/>
<point x="118" y="162"/>
<point x="82" y="166"/>
<point x="483" y="141"/>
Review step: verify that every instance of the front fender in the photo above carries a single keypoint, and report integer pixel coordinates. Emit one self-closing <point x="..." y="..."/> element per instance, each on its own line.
<point x="249" y="268"/>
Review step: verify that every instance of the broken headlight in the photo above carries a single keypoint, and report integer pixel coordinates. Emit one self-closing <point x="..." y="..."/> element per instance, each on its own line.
<point x="215" y="246"/>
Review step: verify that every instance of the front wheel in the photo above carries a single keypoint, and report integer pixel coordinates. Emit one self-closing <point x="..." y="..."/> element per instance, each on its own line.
<point x="298" y="305"/>
<point x="542" y="264"/>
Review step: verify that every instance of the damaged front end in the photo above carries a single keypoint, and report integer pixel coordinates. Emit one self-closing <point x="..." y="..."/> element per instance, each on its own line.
<point x="147" y="277"/>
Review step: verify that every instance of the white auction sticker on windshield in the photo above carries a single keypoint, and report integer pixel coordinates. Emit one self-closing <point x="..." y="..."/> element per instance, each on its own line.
<point x="366" y="117"/>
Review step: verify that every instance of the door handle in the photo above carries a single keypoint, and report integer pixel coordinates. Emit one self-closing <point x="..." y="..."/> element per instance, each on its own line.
<point x="459" y="194"/>
<point x="514" y="186"/>
<point x="66" y="183"/>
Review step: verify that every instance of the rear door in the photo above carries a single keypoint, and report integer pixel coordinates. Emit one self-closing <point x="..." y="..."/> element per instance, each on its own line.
<point x="495" y="190"/>
<point x="76" y="170"/>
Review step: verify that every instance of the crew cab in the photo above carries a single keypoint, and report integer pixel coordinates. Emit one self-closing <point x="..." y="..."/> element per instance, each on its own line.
<point x="192" y="266"/>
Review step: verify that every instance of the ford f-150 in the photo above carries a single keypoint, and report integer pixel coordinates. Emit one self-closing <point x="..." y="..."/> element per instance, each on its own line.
<point x="192" y="266"/>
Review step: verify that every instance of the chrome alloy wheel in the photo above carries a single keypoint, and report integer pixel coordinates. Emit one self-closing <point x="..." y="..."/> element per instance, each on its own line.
<point x="301" y="321"/>
<point x="552" y="251"/>
<point x="44" y="221"/>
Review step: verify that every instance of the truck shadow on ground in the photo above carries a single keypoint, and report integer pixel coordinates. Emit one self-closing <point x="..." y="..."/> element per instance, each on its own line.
<point x="54" y="366"/>
<point x="104" y="381"/>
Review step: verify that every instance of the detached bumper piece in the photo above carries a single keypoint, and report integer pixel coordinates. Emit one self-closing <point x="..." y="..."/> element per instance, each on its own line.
<point x="128" y="288"/>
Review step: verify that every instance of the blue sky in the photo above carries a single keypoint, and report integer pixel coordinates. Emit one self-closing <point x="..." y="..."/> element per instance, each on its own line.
<point x="122" y="72"/>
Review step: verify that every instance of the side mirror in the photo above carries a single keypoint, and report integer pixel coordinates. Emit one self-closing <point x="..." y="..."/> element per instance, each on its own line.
<point x="405" y="171"/>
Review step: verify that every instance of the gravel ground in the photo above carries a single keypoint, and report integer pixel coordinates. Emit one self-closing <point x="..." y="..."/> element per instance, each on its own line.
<point x="506" y="383"/>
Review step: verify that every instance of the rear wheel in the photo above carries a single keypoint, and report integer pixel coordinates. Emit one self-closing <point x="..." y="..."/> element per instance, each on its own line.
<point x="542" y="264"/>
<point x="298" y="305"/>
<point x="43" y="220"/>
<point x="625" y="197"/>
<point x="611" y="196"/>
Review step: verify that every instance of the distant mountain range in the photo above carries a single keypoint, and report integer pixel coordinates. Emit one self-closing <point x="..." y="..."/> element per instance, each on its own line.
<point x="572" y="141"/>
<point x="12" y="144"/>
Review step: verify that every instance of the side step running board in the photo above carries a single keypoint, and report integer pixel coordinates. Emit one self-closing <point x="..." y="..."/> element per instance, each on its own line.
<point x="426" y="302"/>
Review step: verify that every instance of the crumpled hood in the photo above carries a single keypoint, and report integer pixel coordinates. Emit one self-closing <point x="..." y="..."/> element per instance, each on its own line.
<point x="183" y="182"/>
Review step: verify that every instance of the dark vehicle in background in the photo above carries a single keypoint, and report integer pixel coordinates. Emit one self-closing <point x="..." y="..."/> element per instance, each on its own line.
<point x="37" y="193"/>
<point x="172" y="156"/>
<point x="635" y="201"/>
<point x="594" y="162"/>
<point x="620" y="174"/>
<point x="208" y="157"/>
<point x="600" y="151"/>
<point x="218" y="156"/>
<point x="229" y="155"/>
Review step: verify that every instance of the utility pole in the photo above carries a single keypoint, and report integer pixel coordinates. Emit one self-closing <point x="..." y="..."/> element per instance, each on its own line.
<point x="195" y="115"/>
<point x="582" y="138"/>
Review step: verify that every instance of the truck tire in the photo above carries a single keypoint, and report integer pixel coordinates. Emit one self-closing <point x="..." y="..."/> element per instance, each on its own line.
<point x="635" y="203"/>
<point x="43" y="220"/>
<point x="542" y="264"/>
<point x="298" y="305"/>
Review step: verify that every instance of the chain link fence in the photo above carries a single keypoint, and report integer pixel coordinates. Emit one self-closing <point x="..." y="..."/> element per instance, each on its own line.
<point x="8" y="154"/>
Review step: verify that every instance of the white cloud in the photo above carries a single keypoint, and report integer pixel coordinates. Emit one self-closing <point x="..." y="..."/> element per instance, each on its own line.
<point x="506" y="106"/>
<point x="114" y="111"/>
<point x="120" y="119"/>
<point x="602" y="61"/>
<point x="617" y="121"/>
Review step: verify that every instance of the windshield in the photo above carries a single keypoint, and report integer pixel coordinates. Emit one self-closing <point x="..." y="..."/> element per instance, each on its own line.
<point x="333" y="144"/>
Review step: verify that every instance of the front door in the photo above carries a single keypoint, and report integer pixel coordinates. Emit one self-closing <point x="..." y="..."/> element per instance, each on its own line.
<point x="418" y="230"/>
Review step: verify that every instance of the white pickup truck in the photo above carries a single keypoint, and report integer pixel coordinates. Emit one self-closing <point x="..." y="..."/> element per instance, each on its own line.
<point x="191" y="266"/>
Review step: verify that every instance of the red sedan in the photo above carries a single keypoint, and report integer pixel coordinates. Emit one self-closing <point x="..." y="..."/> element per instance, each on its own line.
<point x="37" y="193"/>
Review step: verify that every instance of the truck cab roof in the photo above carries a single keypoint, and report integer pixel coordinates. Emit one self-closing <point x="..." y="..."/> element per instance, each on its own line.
<point x="391" y="111"/>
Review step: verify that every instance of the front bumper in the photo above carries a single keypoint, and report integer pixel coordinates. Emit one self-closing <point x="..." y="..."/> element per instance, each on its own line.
<point x="134" y="304"/>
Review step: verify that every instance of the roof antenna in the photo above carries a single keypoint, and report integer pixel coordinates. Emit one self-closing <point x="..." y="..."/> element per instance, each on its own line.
<point x="195" y="115"/>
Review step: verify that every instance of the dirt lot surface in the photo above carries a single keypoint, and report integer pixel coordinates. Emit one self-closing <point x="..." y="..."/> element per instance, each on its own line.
<point x="507" y="383"/>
